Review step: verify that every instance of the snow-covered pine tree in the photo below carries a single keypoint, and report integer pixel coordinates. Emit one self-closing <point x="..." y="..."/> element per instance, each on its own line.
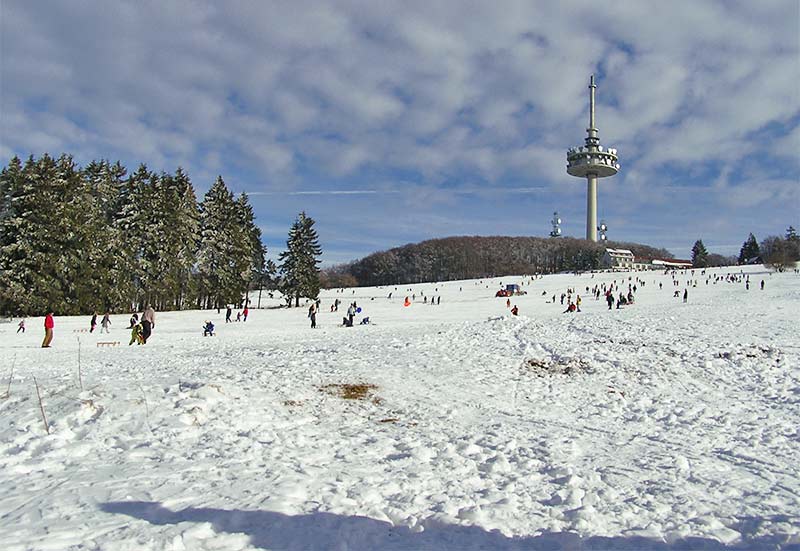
<point x="155" y="253"/>
<point x="39" y="240"/>
<point x="15" y="203"/>
<point x="253" y="246"/>
<point x="222" y="265"/>
<point x="48" y="264"/>
<point x="131" y="220"/>
<point x="699" y="254"/>
<point x="185" y="237"/>
<point x="299" y="264"/>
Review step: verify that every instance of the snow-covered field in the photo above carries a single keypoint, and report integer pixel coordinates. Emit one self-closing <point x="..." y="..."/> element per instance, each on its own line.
<point x="661" y="425"/>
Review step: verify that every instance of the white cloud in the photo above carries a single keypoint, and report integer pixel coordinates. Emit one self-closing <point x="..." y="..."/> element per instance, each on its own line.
<point x="446" y="92"/>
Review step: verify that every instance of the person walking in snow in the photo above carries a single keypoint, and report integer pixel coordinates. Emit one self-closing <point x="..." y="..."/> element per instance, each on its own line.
<point x="685" y="295"/>
<point x="762" y="284"/>
<point x="228" y="313"/>
<point x="244" y="313"/>
<point x="351" y="313"/>
<point x="148" y="322"/>
<point x="21" y="326"/>
<point x="105" y="323"/>
<point x="93" y="323"/>
<point x="312" y="314"/>
<point x="49" y="323"/>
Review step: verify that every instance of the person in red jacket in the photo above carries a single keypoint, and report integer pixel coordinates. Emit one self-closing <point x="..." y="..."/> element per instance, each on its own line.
<point x="48" y="330"/>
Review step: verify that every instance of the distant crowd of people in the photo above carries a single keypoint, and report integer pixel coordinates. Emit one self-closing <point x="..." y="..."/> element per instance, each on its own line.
<point x="142" y="327"/>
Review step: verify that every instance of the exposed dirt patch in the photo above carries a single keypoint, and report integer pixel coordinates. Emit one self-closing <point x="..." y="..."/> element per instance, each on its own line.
<point x="556" y="366"/>
<point x="360" y="391"/>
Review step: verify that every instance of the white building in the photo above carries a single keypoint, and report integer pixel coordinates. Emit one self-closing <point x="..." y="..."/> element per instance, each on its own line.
<point x="618" y="259"/>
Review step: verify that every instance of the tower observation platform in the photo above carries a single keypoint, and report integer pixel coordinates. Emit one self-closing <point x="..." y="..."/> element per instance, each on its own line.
<point x="591" y="161"/>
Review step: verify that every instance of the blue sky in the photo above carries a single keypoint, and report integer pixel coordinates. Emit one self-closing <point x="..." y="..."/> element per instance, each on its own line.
<point x="390" y="123"/>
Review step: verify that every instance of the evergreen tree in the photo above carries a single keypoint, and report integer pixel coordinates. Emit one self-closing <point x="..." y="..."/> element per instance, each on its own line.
<point x="223" y="262"/>
<point x="699" y="255"/>
<point x="184" y="236"/>
<point x="299" y="267"/>
<point x="80" y="240"/>
<point x="749" y="250"/>
<point x="252" y="246"/>
<point x="130" y="219"/>
<point x="16" y="204"/>
<point x="792" y="244"/>
<point x="106" y="285"/>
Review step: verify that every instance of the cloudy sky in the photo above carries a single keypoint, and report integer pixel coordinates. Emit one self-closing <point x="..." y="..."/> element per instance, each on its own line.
<point x="394" y="122"/>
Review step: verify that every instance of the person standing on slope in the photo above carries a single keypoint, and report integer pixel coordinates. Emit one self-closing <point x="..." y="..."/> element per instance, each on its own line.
<point x="312" y="314"/>
<point x="245" y="312"/>
<point x="228" y="313"/>
<point x="93" y="323"/>
<point x="105" y="323"/>
<point x="148" y="322"/>
<point x="49" y="323"/>
<point x="21" y="326"/>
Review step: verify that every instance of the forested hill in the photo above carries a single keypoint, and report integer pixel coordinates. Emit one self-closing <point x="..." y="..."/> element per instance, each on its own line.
<point x="477" y="257"/>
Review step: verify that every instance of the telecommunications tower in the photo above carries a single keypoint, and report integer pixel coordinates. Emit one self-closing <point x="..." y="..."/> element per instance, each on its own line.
<point x="590" y="161"/>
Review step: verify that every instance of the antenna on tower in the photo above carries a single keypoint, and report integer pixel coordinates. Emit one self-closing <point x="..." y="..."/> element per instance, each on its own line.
<point x="556" y="222"/>
<point x="603" y="229"/>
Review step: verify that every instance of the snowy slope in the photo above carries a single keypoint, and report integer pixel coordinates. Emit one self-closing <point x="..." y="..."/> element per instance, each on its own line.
<point x="661" y="425"/>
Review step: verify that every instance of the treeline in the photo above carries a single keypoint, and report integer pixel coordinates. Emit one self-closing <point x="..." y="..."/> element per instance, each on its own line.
<point x="74" y="240"/>
<point x="477" y="257"/>
<point x="776" y="251"/>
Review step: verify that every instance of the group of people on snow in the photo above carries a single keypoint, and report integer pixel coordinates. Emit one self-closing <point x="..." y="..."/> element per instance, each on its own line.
<point x="240" y="315"/>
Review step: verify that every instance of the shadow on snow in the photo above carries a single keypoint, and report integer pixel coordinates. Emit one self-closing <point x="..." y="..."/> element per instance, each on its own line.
<point x="273" y="530"/>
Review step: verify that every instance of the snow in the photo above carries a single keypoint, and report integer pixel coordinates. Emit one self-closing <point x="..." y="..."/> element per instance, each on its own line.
<point x="661" y="425"/>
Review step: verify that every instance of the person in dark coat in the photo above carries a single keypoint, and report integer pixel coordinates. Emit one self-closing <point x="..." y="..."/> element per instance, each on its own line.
<point x="312" y="314"/>
<point x="228" y="313"/>
<point x="148" y="322"/>
<point x="93" y="323"/>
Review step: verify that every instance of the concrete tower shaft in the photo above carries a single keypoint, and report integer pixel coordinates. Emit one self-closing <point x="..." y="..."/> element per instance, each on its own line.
<point x="591" y="162"/>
